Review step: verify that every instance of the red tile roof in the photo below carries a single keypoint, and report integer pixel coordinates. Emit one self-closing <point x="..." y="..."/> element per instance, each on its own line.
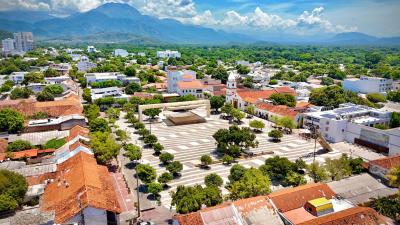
<point x="77" y="130"/>
<point x="75" y="145"/>
<point x="252" y="96"/>
<point x="25" y="154"/>
<point x="67" y="106"/>
<point x="40" y="179"/>
<point x="79" y="181"/>
<point x="294" y="198"/>
<point x="355" y="215"/>
<point x="3" y="145"/>
<point x="194" y="84"/>
<point x="387" y="162"/>
<point x="282" y="110"/>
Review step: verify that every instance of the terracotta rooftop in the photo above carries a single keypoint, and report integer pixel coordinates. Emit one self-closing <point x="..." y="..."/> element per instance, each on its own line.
<point x="254" y="211"/>
<point x="79" y="181"/>
<point x="75" y="145"/>
<point x="387" y="162"/>
<point x="77" y="130"/>
<point x="3" y="145"/>
<point x="194" y="84"/>
<point x="294" y="198"/>
<point x="282" y="110"/>
<point x="67" y="106"/>
<point x="252" y="96"/>
<point x="30" y="153"/>
<point x="355" y="215"/>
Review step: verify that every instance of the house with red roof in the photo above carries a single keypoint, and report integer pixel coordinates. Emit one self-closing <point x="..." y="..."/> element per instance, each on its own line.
<point x="381" y="167"/>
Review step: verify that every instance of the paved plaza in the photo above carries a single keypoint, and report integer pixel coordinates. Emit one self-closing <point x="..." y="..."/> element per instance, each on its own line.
<point x="189" y="142"/>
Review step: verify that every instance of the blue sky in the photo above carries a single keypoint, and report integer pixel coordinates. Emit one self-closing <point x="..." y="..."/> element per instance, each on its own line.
<point x="258" y="17"/>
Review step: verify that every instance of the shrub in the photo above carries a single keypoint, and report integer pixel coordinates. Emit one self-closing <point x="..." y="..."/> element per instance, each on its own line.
<point x="11" y="121"/>
<point x="206" y="160"/>
<point x="19" y="145"/>
<point x="227" y="159"/>
<point x="166" y="158"/>
<point x="213" y="180"/>
<point x="54" y="143"/>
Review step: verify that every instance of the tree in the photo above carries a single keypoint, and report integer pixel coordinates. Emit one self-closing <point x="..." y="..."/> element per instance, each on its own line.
<point x="50" y="72"/>
<point x="387" y="206"/>
<point x="227" y="109"/>
<point x="317" y="172"/>
<point x="287" y="123"/>
<point x="238" y="115"/>
<point x="130" y="71"/>
<point x="44" y="96"/>
<point x="154" y="188"/>
<point x="104" y="146"/>
<point x="133" y="152"/>
<point x="13" y="188"/>
<point x="220" y="74"/>
<point x="54" y="143"/>
<point x="335" y="95"/>
<point x="394" y="176"/>
<point x="152" y="113"/>
<point x="113" y="113"/>
<point x="138" y="126"/>
<point x="257" y="124"/>
<point x="11" y="121"/>
<point x="278" y="168"/>
<point x="143" y="132"/>
<point x="99" y="124"/>
<point x="33" y="77"/>
<point x="87" y="95"/>
<point x="242" y="69"/>
<point x="283" y="99"/>
<point x="227" y="159"/>
<point x="273" y="82"/>
<point x="213" y="180"/>
<point x="294" y="179"/>
<point x="394" y="96"/>
<point x="327" y="81"/>
<point x="338" y="168"/>
<point x="250" y="110"/>
<point x="376" y="97"/>
<point x="122" y="135"/>
<point x="242" y="138"/>
<point x="174" y="167"/>
<point x="92" y="111"/>
<point x="357" y="165"/>
<point x="205" y="160"/>
<point x="236" y="173"/>
<point x="150" y="140"/>
<point x="187" y="199"/>
<point x="164" y="178"/>
<point x="253" y="183"/>
<point x="54" y="89"/>
<point x="395" y="120"/>
<point x="166" y="158"/>
<point x="133" y="87"/>
<point x="19" y="145"/>
<point x="276" y="135"/>
<point x="21" y="92"/>
<point x="217" y="102"/>
<point x="212" y="196"/>
<point x="146" y="173"/>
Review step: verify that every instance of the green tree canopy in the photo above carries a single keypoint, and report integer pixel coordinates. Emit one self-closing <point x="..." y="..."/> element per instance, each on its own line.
<point x="19" y="145"/>
<point x="213" y="180"/>
<point x="234" y="136"/>
<point x="104" y="146"/>
<point x="133" y="152"/>
<point x="99" y="124"/>
<point x="278" y="167"/>
<point x="217" y="102"/>
<point x="13" y="187"/>
<point x="174" y="167"/>
<point x="283" y="99"/>
<point x="252" y="183"/>
<point x="146" y="173"/>
<point x="11" y="121"/>
<point x="166" y="158"/>
<point x="152" y="113"/>
<point x="133" y="87"/>
<point x="257" y="124"/>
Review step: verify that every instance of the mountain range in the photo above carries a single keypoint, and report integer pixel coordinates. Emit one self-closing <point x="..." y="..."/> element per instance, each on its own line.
<point x="121" y="23"/>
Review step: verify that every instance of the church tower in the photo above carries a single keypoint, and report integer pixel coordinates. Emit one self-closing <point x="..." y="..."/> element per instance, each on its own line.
<point x="231" y="88"/>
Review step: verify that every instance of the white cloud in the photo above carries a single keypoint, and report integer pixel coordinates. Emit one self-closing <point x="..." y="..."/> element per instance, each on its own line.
<point x="23" y="4"/>
<point x="232" y="18"/>
<point x="169" y="8"/>
<point x="74" y="5"/>
<point x="315" y="20"/>
<point x="265" y="20"/>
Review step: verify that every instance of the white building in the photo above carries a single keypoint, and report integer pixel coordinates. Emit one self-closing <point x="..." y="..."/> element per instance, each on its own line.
<point x="75" y="56"/>
<point x="17" y="77"/>
<point x="168" y="54"/>
<point x="355" y="124"/>
<point x="174" y="76"/>
<point x="8" y="46"/>
<point x="190" y="86"/>
<point x="91" y="49"/>
<point x="99" y="77"/>
<point x="120" y="52"/>
<point x="23" y="41"/>
<point x="62" y="68"/>
<point x="114" y="92"/>
<point x="84" y="64"/>
<point x="367" y="85"/>
<point x="243" y="63"/>
<point x="141" y="54"/>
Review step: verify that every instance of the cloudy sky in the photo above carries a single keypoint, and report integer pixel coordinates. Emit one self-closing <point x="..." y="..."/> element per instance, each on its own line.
<point x="374" y="17"/>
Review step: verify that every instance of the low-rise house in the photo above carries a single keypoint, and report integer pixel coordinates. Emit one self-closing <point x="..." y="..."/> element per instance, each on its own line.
<point x="78" y="135"/>
<point x="84" y="64"/>
<point x="17" y="77"/>
<point x="189" y="86"/>
<point x="82" y="191"/>
<point x="59" y="123"/>
<point x="381" y="167"/>
<point x="120" y="52"/>
<point x="317" y="204"/>
<point x="62" y="68"/>
<point x="114" y="92"/>
<point x="268" y="111"/>
<point x="256" y="211"/>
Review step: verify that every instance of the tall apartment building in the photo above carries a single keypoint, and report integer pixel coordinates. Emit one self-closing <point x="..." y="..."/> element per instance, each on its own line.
<point x="23" y="41"/>
<point x="8" y="46"/>
<point x="168" y="54"/>
<point x="367" y="85"/>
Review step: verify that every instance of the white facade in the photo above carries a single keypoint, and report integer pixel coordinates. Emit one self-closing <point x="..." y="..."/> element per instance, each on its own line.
<point x="8" y="46"/>
<point x="121" y="52"/>
<point x="351" y="121"/>
<point x="23" y="41"/>
<point x="84" y="64"/>
<point x="231" y="88"/>
<point x="98" y="77"/>
<point x="243" y="63"/>
<point x="367" y="85"/>
<point x="108" y="92"/>
<point x="91" y="49"/>
<point x="168" y="54"/>
<point x="174" y="76"/>
<point x="141" y="54"/>
<point x="17" y="77"/>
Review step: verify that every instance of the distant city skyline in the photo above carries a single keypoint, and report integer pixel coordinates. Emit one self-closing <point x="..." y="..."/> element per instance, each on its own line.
<point x="256" y="17"/>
